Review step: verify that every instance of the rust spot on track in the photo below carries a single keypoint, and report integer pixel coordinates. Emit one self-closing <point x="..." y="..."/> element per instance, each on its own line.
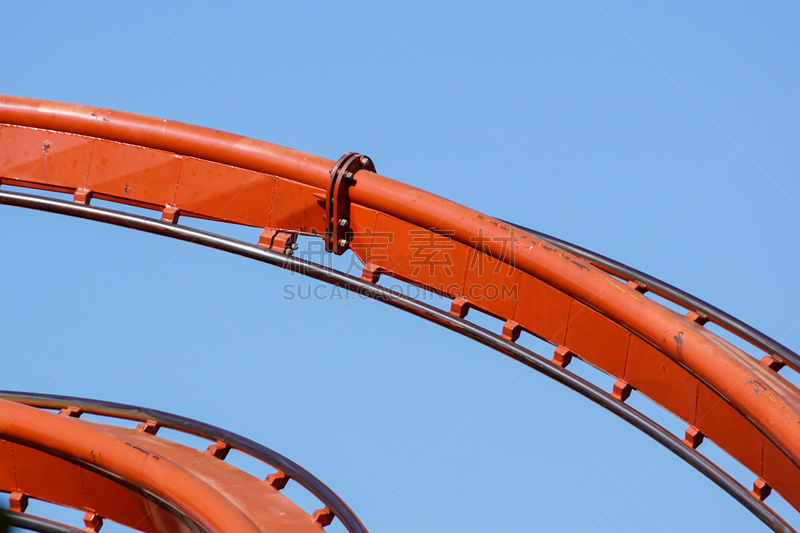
<point x="679" y="340"/>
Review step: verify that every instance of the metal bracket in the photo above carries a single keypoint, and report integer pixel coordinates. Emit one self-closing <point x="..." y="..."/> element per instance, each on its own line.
<point x="562" y="356"/>
<point x="93" y="521"/>
<point x="71" y="411"/>
<point x="278" y="480"/>
<point x="337" y="205"/>
<point x="693" y="437"/>
<point x="17" y="501"/>
<point x="278" y="240"/>
<point x="219" y="449"/>
<point x="622" y="390"/>
<point x="323" y="516"/>
<point x="150" y="427"/>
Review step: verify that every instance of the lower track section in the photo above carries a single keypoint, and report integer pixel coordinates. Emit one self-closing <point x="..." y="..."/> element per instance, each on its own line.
<point x="138" y="479"/>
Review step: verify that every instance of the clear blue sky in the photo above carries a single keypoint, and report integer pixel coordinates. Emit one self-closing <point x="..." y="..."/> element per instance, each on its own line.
<point x="663" y="134"/>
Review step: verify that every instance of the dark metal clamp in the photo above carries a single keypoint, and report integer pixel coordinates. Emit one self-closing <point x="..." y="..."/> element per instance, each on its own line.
<point x="338" y="234"/>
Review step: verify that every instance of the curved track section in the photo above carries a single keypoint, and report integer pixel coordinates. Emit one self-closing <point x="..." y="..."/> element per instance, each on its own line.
<point x="481" y="263"/>
<point x="134" y="477"/>
<point x="647" y="283"/>
<point x="409" y="305"/>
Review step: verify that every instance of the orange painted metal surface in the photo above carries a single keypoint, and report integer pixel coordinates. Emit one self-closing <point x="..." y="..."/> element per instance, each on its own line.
<point x="135" y="478"/>
<point x="730" y="397"/>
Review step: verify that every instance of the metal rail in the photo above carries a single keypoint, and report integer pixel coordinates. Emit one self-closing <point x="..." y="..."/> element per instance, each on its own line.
<point x="34" y="523"/>
<point x="675" y="295"/>
<point x="428" y="312"/>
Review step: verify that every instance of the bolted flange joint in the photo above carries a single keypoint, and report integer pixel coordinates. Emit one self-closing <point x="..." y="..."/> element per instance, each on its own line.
<point x="338" y="233"/>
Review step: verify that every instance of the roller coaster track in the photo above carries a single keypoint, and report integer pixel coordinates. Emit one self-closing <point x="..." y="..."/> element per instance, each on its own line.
<point x="177" y="497"/>
<point x="583" y="304"/>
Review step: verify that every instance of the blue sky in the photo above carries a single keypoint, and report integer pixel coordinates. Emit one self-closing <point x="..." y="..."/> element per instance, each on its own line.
<point x="665" y="135"/>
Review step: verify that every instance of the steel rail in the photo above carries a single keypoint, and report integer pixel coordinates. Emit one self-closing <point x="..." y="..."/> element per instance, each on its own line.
<point x="423" y="310"/>
<point x="35" y="523"/>
<point x="675" y="295"/>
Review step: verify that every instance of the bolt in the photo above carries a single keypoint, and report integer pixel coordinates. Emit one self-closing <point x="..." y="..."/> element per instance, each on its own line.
<point x="348" y="175"/>
<point x="294" y="246"/>
<point x="288" y="250"/>
<point x="342" y="221"/>
<point x="343" y="242"/>
<point x="365" y="161"/>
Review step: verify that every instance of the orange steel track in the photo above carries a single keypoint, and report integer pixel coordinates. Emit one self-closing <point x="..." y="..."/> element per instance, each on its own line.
<point x="133" y="477"/>
<point x="146" y="482"/>
<point x="721" y="392"/>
